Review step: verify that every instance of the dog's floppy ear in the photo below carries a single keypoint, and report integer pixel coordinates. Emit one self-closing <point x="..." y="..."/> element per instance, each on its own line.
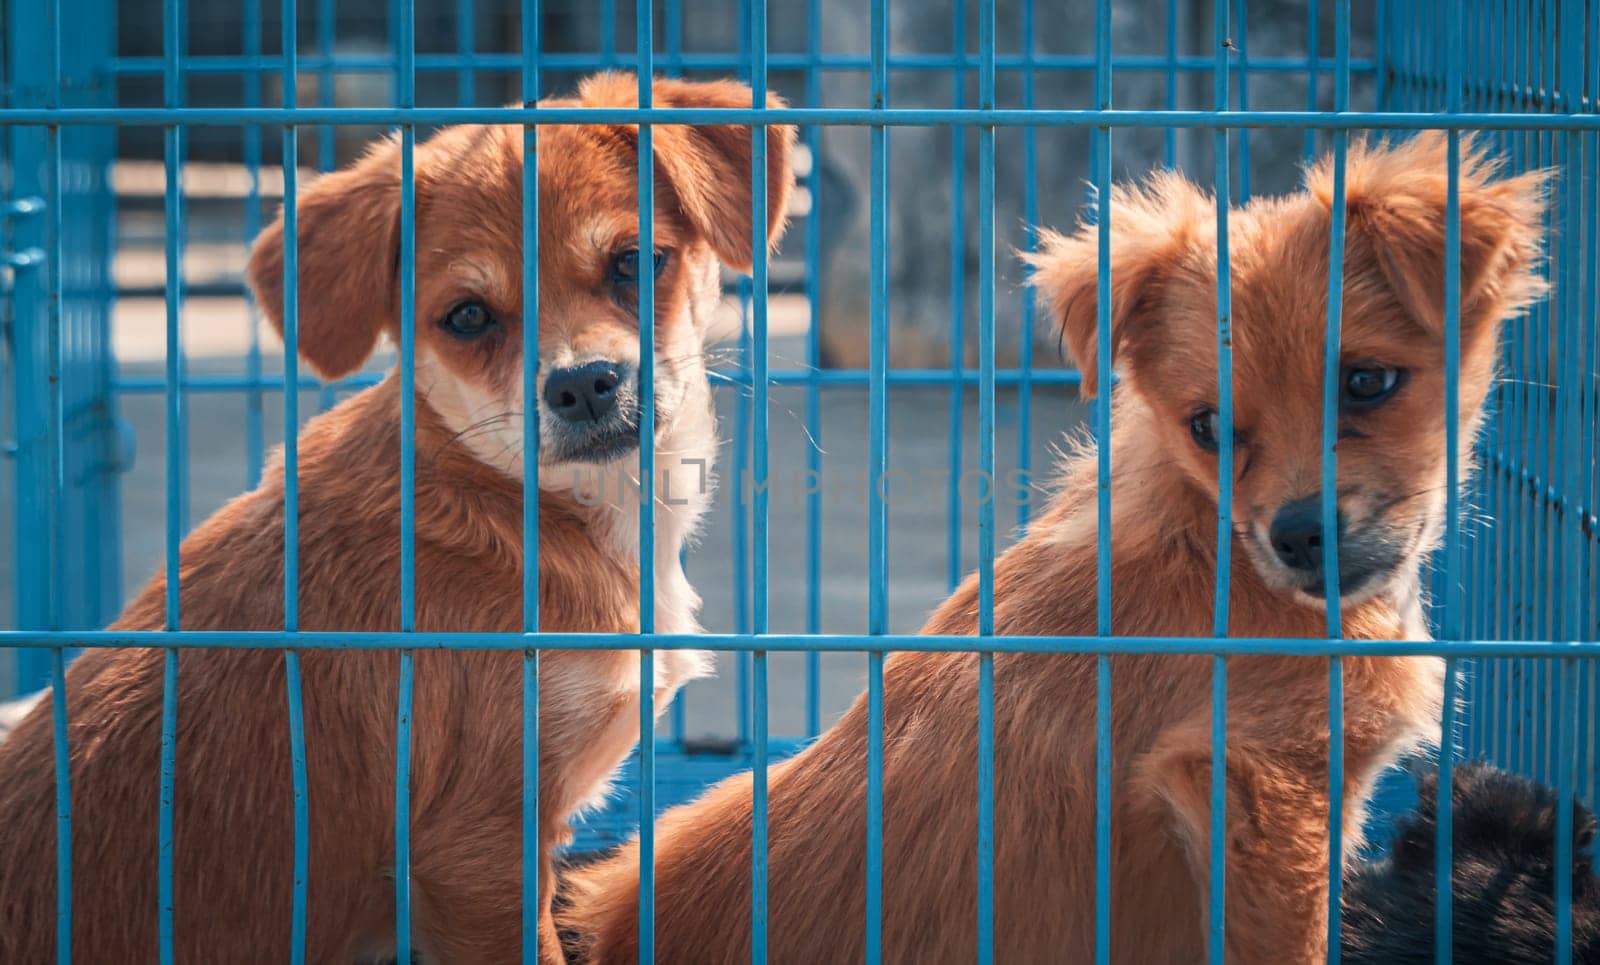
<point x="349" y="225"/>
<point x="1154" y="227"/>
<point x="1395" y="199"/>
<point x="708" y="167"/>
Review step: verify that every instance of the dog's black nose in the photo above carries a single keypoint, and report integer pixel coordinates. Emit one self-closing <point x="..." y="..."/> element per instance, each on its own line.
<point x="583" y="393"/>
<point x="1296" y="534"/>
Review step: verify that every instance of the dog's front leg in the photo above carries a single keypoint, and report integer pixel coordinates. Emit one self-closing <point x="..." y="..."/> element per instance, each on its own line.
<point x="1276" y="842"/>
<point x="467" y="908"/>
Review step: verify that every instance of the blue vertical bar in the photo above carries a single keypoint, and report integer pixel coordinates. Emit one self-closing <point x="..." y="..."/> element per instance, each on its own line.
<point x="958" y="296"/>
<point x="181" y="133"/>
<point x="758" y="304"/>
<point x="169" y="725"/>
<point x="1517" y="538"/>
<point x="254" y="439"/>
<point x="673" y="15"/>
<point x="1570" y="392"/>
<point x="1102" y="419"/>
<point x="1515" y="396"/>
<point x="1030" y="221"/>
<point x="1506" y="423"/>
<point x="758" y="889"/>
<point x="302" y="817"/>
<point x="291" y="485"/>
<point x="172" y="84"/>
<point x="531" y="899"/>
<point x="813" y="137"/>
<point x="1330" y="481"/>
<point x="1524" y="153"/>
<point x="743" y="405"/>
<point x="1528" y="510"/>
<point x="743" y="414"/>
<point x="63" y="758"/>
<point x="986" y="363"/>
<point x="1443" y="933"/>
<point x="63" y="774"/>
<point x="1478" y="568"/>
<point x="1219" y="664"/>
<point x="1313" y="49"/>
<point x="745" y="402"/>
<point x="406" y="85"/>
<point x="1241" y="49"/>
<point x="877" y="467"/>
<point x="647" y="496"/>
<point x="56" y="429"/>
<point x="1506" y="557"/>
<point x="1169" y="137"/>
<point x="327" y="26"/>
<point x="1567" y="708"/>
<point x="1544" y="409"/>
<point x="1545" y="703"/>
<point x="1589" y="489"/>
<point x="1500" y="578"/>
<point x="1479" y="622"/>
<point x="466" y="41"/>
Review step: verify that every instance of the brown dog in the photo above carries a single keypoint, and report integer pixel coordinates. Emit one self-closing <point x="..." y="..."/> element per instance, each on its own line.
<point x="234" y="829"/>
<point x="1391" y="469"/>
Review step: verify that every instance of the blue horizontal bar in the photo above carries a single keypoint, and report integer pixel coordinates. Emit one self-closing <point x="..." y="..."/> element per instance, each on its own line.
<point x="790" y="642"/>
<point x="803" y="116"/>
<point x="242" y="383"/>
<point x="371" y="63"/>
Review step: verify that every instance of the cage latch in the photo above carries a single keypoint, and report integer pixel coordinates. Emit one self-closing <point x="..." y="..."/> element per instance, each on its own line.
<point x="21" y="258"/>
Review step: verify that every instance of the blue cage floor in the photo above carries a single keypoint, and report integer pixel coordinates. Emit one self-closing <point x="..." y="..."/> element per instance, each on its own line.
<point x="682" y="774"/>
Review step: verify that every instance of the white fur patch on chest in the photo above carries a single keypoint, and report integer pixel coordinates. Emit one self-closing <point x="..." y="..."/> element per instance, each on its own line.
<point x="489" y="424"/>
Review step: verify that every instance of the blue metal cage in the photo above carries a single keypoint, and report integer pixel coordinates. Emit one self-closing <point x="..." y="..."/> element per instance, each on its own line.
<point x="88" y="93"/>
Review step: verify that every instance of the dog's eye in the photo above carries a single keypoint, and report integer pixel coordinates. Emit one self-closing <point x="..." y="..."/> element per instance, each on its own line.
<point x="1204" y="427"/>
<point x="625" y="266"/>
<point x="467" y="320"/>
<point x="1368" y="386"/>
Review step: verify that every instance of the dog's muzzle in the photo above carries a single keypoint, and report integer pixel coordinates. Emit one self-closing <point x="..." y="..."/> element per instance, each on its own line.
<point x="1367" y="556"/>
<point x="595" y="412"/>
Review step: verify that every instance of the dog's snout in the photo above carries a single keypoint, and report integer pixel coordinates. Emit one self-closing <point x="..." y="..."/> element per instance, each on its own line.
<point x="583" y="393"/>
<point x="1296" y="534"/>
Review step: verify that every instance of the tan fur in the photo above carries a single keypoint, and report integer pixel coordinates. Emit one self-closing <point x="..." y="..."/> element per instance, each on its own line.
<point x="1163" y="540"/>
<point x="232" y="811"/>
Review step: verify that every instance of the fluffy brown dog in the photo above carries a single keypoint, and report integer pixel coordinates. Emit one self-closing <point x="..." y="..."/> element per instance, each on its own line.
<point x="1390" y="494"/>
<point x="234" y="826"/>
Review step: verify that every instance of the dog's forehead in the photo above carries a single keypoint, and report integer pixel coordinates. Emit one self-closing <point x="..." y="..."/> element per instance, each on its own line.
<point x="1280" y="293"/>
<point x="587" y="183"/>
<point x="1274" y="322"/>
<point x="586" y="176"/>
<point x="587" y="161"/>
